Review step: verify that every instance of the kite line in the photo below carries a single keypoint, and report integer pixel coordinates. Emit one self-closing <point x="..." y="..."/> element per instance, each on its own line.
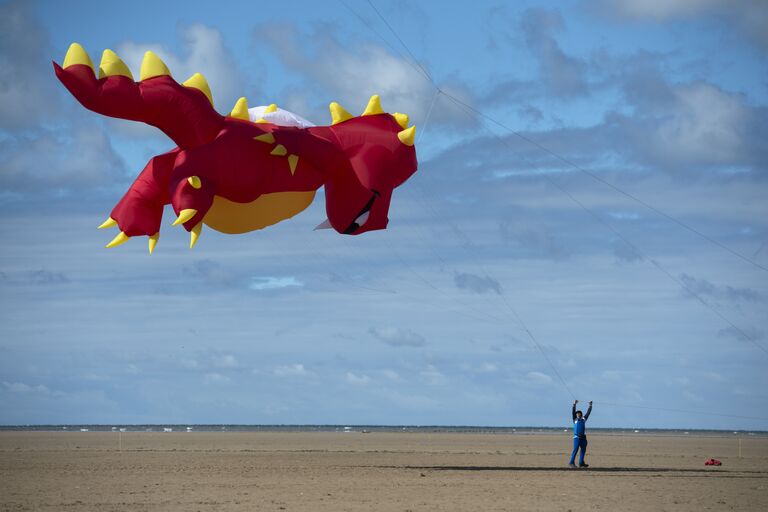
<point x="474" y="112"/>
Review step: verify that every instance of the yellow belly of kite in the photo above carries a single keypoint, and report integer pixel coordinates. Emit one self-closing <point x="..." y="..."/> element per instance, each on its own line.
<point x="233" y="218"/>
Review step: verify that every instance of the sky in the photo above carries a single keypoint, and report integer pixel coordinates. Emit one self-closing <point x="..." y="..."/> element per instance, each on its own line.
<point x="588" y="221"/>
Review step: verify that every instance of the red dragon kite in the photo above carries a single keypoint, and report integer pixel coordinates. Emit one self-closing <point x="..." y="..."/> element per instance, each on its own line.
<point x="234" y="173"/>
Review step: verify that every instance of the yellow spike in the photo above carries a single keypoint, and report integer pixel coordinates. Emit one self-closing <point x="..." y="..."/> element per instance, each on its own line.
<point x="153" y="242"/>
<point x="279" y="150"/>
<point x="195" y="182"/>
<point x="338" y="114"/>
<point x="402" y="119"/>
<point x="112" y="65"/>
<point x="240" y="110"/>
<point x="407" y="136"/>
<point x="266" y="137"/>
<point x="262" y="120"/>
<point x="76" y="54"/>
<point x="374" y="106"/>
<point x="152" y="66"/>
<point x="109" y="223"/>
<point x="195" y="234"/>
<point x="293" y="161"/>
<point x="198" y="81"/>
<point x="184" y="216"/>
<point x="271" y="108"/>
<point x="120" y="239"/>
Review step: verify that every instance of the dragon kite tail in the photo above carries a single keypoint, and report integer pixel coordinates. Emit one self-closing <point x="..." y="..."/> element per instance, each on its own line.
<point x="184" y="111"/>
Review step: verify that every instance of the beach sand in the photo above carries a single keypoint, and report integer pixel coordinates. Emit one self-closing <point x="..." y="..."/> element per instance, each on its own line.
<point x="336" y="471"/>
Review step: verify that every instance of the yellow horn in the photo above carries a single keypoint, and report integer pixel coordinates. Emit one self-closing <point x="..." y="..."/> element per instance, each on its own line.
<point x="153" y="242"/>
<point x="198" y="81"/>
<point x="265" y="137"/>
<point x="293" y="161"/>
<point x="76" y="54"/>
<point x="338" y="114"/>
<point x="195" y="234"/>
<point x="120" y="239"/>
<point x="271" y="108"/>
<point x="240" y="110"/>
<point x="402" y="119"/>
<point x="194" y="182"/>
<point x="109" y="223"/>
<point x="279" y="150"/>
<point x="112" y="65"/>
<point x="184" y="216"/>
<point x="374" y="106"/>
<point x="152" y="66"/>
<point x="407" y="136"/>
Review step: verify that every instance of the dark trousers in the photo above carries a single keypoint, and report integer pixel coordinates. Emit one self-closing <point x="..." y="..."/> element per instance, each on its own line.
<point x="579" y="443"/>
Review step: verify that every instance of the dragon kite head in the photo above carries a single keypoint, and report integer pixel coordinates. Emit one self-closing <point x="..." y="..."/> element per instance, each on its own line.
<point x="381" y="155"/>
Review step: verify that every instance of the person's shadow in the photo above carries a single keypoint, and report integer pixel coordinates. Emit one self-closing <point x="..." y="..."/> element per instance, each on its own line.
<point x="614" y="469"/>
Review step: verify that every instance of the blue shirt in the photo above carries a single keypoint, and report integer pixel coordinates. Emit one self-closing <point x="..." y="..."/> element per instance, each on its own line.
<point x="580" y="425"/>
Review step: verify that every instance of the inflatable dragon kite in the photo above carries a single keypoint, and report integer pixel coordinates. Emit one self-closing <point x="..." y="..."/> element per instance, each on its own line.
<point x="249" y="169"/>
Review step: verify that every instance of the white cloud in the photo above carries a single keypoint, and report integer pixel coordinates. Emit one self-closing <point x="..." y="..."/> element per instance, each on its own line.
<point x="216" y="378"/>
<point x="539" y="378"/>
<point x="397" y="337"/>
<point x="664" y="9"/>
<point x="357" y="380"/>
<point x="705" y="125"/>
<point x="84" y="157"/>
<point x="203" y="51"/>
<point x="26" y="98"/>
<point x="714" y="376"/>
<point x="433" y="376"/>
<point x="224" y="361"/>
<point x="190" y="364"/>
<point x="693" y="397"/>
<point x="488" y="368"/>
<point x="352" y="73"/>
<point x="612" y="375"/>
<point x="291" y="370"/>
<point x="274" y="283"/>
<point x="419" y="403"/>
<point x="482" y="368"/>
<point x="749" y="17"/>
<point x="475" y="283"/>
<point x="22" y="388"/>
<point x="391" y="375"/>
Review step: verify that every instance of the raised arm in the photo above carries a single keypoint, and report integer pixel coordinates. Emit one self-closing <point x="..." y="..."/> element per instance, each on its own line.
<point x="589" y="410"/>
<point x="573" y="410"/>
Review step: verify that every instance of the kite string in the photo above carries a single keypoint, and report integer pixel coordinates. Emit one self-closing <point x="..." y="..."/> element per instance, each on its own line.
<point x="607" y="183"/>
<point x="601" y="180"/>
<point x="614" y="187"/>
<point x="544" y="148"/>
<point x="688" y="411"/>
<point x="634" y="248"/>
<point x="501" y="292"/>
<point x="402" y="43"/>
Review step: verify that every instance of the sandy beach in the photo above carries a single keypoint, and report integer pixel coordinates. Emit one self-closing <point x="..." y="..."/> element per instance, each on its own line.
<point x="329" y="471"/>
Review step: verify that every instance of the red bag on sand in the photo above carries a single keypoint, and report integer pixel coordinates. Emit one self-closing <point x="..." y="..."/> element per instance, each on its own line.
<point x="713" y="462"/>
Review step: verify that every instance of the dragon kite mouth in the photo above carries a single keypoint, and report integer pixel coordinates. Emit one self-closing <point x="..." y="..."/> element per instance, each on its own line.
<point x="362" y="217"/>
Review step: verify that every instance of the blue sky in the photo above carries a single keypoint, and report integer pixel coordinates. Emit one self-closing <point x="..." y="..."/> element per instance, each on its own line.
<point x="494" y="238"/>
